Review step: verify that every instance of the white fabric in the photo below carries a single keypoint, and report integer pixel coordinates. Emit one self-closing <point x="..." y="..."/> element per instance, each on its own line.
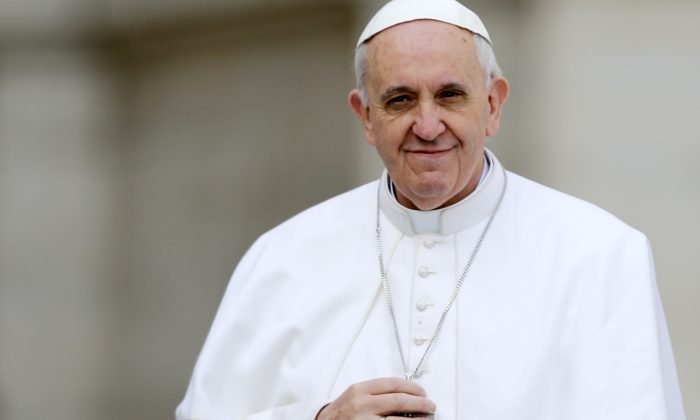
<point x="559" y="318"/>
<point x="401" y="11"/>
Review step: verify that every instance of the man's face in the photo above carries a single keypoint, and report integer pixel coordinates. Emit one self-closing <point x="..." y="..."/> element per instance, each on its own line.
<point x="429" y="111"/>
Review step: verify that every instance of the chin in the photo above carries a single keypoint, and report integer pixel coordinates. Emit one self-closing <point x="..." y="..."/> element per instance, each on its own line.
<point x="432" y="190"/>
<point x="429" y="200"/>
<point x="429" y="206"/>
<point x="428" y="191"/>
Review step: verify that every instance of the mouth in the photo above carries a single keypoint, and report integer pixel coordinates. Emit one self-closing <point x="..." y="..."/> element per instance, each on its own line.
<point x="432" y="154"/>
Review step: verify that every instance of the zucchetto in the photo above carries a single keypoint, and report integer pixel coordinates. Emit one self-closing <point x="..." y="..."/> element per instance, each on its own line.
<point x="401" y="11"/>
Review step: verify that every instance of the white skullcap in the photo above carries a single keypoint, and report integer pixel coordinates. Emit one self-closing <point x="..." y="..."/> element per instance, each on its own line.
<point x="401" y="11"/>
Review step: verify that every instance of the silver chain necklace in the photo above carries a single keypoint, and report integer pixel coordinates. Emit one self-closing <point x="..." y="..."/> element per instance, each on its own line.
<point x="408" y="375"/>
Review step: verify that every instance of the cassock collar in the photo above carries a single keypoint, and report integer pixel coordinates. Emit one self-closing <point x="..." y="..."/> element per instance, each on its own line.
<point x="455" y="218"/>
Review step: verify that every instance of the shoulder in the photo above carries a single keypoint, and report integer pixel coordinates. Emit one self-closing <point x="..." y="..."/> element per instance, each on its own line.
<point x="325" y="226"/>
<point x="334" y="214"/>
<point x="565" y="216"/>
<point x="298" y="256"/>
<point x="570" y="241"/>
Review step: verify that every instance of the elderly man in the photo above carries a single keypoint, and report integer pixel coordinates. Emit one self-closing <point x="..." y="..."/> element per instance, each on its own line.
<point x="450" y="288"/>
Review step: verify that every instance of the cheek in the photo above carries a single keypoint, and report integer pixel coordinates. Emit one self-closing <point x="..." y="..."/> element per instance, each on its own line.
<point x="390" y="135"/>
<point x="387" y="152"/>
<point x="469" y="127"/>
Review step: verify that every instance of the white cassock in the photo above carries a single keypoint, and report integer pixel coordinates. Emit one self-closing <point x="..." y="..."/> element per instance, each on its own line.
<point x="559" y="317"/>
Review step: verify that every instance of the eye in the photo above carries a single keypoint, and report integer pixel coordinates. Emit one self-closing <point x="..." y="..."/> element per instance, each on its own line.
<point x="451" y="94"/>
<point x="398" y="101"/>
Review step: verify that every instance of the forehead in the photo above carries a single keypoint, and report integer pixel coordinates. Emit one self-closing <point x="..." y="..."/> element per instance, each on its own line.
<point x="422" y="49"/>
<point x="422" y="31"/>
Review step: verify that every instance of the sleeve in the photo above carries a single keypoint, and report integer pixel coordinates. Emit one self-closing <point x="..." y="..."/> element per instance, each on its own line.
<point x="233" y="378"/>
<point x="623" y="367"/>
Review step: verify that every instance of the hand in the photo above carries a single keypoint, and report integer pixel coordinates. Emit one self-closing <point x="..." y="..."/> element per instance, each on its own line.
<point x="378" y="399"/>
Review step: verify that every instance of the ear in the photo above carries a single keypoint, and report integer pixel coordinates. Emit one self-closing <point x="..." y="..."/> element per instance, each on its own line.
<point x="362" y="112"/>
<point x="497" y="98"/>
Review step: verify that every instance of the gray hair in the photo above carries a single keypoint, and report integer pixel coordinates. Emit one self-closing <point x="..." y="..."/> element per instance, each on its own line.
<point x="484" y="53"/>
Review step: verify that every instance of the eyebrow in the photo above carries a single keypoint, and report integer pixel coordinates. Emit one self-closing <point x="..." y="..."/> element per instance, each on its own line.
<point x="454" y="86"/>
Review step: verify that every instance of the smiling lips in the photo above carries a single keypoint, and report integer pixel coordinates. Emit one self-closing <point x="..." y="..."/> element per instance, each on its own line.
<point x="431" y="153"/>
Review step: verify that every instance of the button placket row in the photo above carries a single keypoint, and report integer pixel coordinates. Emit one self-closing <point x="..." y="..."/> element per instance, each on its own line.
<point x="428" y="244"/>
<point x="429" y="256"/>
<point x="421" y="334"/>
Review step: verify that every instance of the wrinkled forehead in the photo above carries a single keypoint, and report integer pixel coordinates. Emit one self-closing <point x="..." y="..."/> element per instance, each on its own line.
<point x="401" y="11"/>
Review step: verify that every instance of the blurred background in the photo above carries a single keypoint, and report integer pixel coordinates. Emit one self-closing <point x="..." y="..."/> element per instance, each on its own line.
<point x="145" y="144"/>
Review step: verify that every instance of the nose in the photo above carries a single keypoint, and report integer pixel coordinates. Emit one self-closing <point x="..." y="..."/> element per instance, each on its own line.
<point x="427" y="124"/>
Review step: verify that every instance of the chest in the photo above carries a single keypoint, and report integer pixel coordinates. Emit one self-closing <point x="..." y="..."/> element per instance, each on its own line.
<point x="495" y="345"/>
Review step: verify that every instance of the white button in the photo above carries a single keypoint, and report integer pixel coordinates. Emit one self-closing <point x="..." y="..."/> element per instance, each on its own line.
<point x="429" y="244"/>
<point x="423" y="272"/>
<point x="419" y="340"/>
<point x="423" y="305"/>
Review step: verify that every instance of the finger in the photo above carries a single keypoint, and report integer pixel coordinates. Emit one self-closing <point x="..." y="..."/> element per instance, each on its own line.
<point x="391" y="404"/>
<point x="391" y="386"/>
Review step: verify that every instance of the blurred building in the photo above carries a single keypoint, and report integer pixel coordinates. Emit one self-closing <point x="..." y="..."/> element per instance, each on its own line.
<point x="145" y="144"/>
